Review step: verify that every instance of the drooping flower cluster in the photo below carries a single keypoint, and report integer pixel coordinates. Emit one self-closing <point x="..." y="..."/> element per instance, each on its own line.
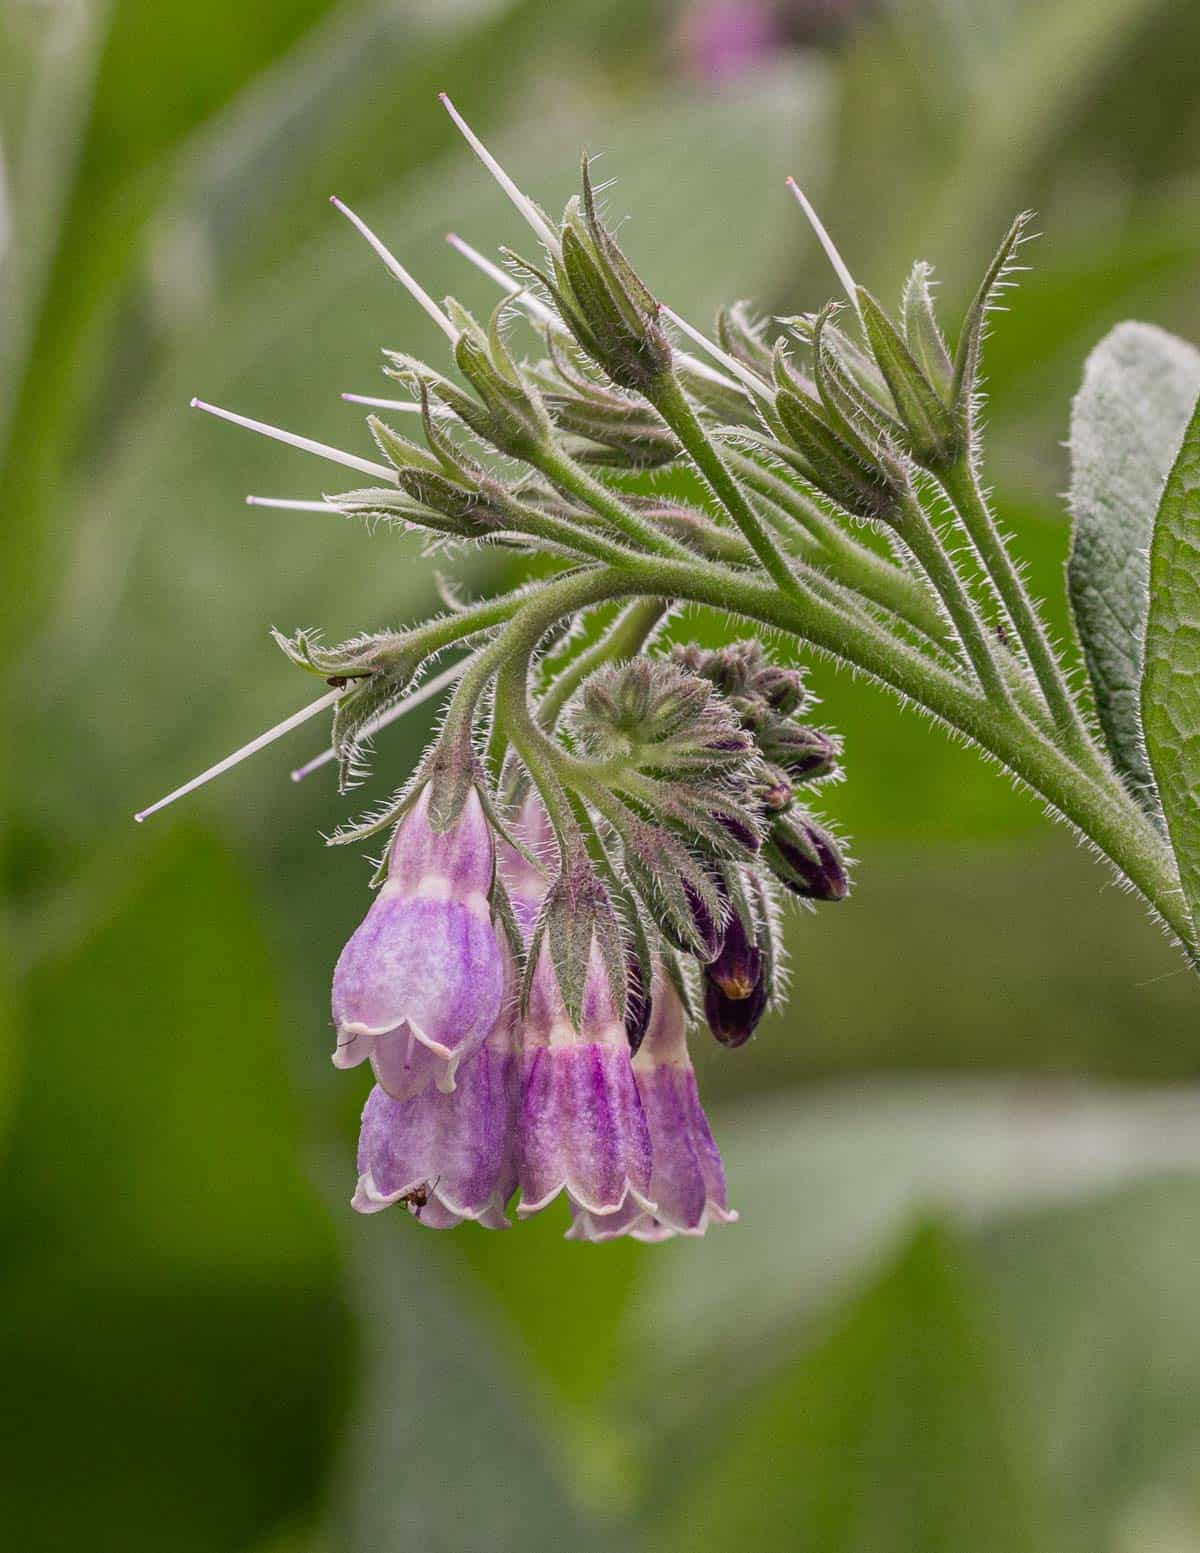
<point x="522" y="1038"/>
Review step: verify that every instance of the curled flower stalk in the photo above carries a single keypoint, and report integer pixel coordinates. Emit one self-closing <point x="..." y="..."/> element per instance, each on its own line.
<point x="595" y="851"/>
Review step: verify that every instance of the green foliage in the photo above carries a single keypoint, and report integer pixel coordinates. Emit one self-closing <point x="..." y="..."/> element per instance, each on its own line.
<point x="143" y="1301"/>
<point x="1139" y="387"/>
<point x="1171" y="683"/>
<point x="890" y="1434"/>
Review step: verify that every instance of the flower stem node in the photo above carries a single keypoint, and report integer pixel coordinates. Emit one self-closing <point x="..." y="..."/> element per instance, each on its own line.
<point x="422" y="980"/>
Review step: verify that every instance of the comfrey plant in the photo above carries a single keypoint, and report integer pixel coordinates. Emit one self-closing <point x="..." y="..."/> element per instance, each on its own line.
<point x="593" y="851"/>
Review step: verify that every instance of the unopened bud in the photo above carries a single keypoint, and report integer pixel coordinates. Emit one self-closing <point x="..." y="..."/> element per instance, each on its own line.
<point x="738" y="968"/>
<point x="805" y="859"/>
<point x="733" y="1020"/>
<point x="805" y="753"/>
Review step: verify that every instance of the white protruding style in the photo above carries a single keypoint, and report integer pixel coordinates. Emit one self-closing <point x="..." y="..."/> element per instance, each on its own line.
<point x="314" y="709"/>
<point x="840" y="267"/>
<point x="410" y="406"/>
<point x="745" y="377"/>
<point x="289" y="504"/>
<point x="522" y="201"/>
<point x="532" y="303"/>
<point x="305" y="444"/>
<point x="414" y="288"/>
<point x="426" y="692"/>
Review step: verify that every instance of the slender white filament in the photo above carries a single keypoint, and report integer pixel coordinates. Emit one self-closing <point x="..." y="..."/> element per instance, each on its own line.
<point x="409" y="405"/>
<point x="288" y="504"/>
<point x="312" y="710"/>
<point x="414" y="289"/>
<point x="305" y="444"/>
<point x="743" y="374"/>
<point x="526" y="299"/>
<point x="840" y="268"/>
<point x="425" y="693"/>
<point x="523" y="203"/>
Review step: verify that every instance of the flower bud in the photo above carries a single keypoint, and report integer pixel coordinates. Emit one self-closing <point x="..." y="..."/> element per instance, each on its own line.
<point x="421" y="982"/>
<point x="734" y="1020"/>
<point x="738" y="968"/>
<point x="782" y="689"/>
<point x="932" y="433"/>
<point x="805" y="859"/>
<point x="805" y="753"/>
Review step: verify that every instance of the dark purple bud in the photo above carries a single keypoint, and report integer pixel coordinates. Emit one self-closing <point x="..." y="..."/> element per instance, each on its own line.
<point x="733" y="1020"/>
<point x="806" y="754"/>
<point x="708" y="929"/>
<point x="782" y="689"/>
<point x="738" y="968"/>
<point x="805" y="859"/>
<point x="739" y="827"/>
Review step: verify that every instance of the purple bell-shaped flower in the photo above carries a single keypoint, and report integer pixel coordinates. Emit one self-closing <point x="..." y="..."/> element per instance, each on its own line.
<point x="581" y="1129"/>
<point x="687" y="1181"/>
<point x="421" y="982"/>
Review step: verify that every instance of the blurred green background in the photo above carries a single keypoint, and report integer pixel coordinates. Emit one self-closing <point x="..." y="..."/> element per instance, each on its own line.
<point x="960" y="1312"/>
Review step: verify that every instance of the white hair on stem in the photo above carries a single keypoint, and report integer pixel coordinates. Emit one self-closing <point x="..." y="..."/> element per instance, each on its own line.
<point x="305" y="444"/>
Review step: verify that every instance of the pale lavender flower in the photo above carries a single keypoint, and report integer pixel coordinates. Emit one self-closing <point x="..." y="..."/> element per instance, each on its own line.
<point x="723" y="39"/>
<point x="581" y="1128"/>
<point x="448" y="1157"/>
<point x="421" y="982"/>
<point x="687" y="1181"/>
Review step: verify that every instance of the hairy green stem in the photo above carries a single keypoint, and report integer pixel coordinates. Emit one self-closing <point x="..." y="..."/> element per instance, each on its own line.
<point x="604" y="501"/>
<point x="961" y="484"/>
<point x="918" y="534"/>
<point x="669" y="399"/>
<point x="830" y="548"/>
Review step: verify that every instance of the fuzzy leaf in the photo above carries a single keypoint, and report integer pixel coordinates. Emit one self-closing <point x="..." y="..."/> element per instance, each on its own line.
<point x="1171" y="682"/>
<point x="1138" y="389"/>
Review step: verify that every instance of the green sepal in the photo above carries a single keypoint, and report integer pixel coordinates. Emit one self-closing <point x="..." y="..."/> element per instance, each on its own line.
<point x="856" y="415"/>
<point x="922" y="331"/>
<point x="934" y="437"/>
<point x="849" y="474"/>
<point x="970" y="341"/>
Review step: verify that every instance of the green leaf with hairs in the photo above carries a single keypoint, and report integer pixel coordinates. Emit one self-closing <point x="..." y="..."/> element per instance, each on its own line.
<point x="1139" y="386"/>
<point x="1171" y="683"/>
